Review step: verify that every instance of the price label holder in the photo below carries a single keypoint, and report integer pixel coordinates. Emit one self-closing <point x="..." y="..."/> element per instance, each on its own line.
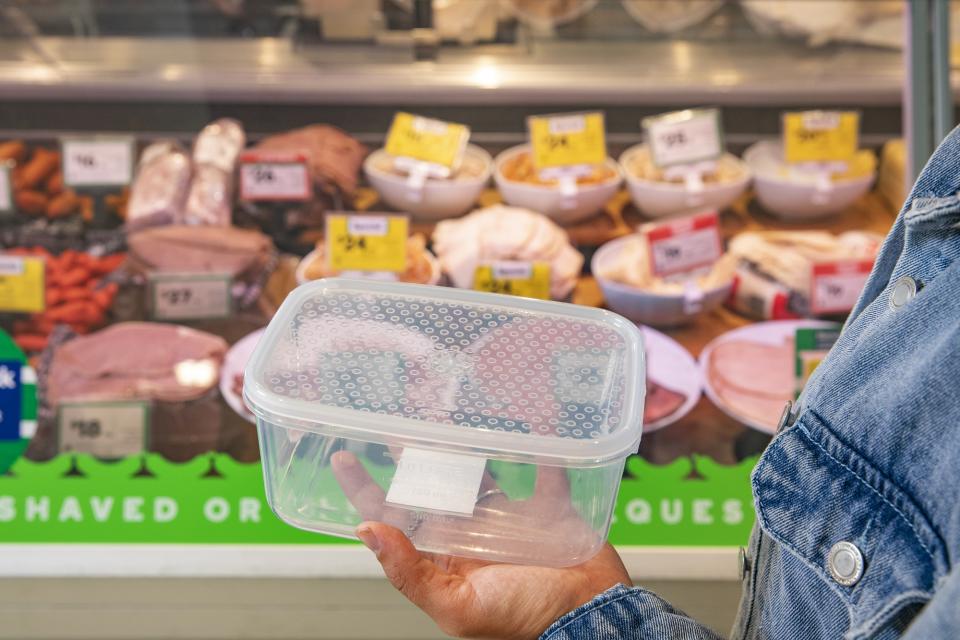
<point x="100" y="162"/>
<point x="22" y="284"/>
<point x="365" y="242"/>
<point x="275" y="177"/>
<point x="818" y="144"/>
<point x="811" y="347"/>
<point x="835" y="286"/>
<point x="566" y="147"/>
<point x="425" y="148"/>
<point x="189" y="296"/>
<point x="526" y="279"/>
<point x="686" y="145"/>
<point x="104" y="429"/>
<point x="682" y="249"/>
<point x="6" y="190"/>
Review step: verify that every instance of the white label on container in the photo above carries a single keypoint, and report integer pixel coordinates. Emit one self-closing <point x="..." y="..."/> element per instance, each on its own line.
<point x="190" y="296"/>
<point x="512" y="270"/>
<point x="274" y="181"/>
<point x="6" y="193"/>
<point x="685" y="137"/>
<point x="560" y="125"/>
<point x="97" y="163"/>
<point x="437" y="480"/>
<point x="11" y="266"/>
<point x="104" y="430"/>
<point x="368" y="225"/>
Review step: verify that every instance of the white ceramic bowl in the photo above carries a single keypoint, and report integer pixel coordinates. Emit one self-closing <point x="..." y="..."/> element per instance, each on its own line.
<point x="587" y="202"/>
<point x="798" y="200"/>
<point x="661" y="199"/>
<point x="301" y="272"/>
<point x="648" y="308"/>
<point x="438" y="199"/>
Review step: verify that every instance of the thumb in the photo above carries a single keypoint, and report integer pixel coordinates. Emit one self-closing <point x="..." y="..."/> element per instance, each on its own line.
<point x="415" y="576"/>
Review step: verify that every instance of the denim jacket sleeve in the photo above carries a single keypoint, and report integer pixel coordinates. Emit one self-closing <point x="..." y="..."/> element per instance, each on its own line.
<point x="627" y="613"/>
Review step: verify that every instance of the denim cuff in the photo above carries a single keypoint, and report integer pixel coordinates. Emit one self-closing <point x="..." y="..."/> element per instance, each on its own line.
<point x="577" y="624"/>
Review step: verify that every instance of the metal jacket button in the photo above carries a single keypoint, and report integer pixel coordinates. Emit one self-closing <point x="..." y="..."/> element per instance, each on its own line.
<point x="743" y="563"/>
<point x="785" y="416"/>
<point x="903" y="292"/>
<point x="845" y="563"/>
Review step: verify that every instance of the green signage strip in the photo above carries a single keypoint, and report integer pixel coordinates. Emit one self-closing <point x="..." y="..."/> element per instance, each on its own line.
<point x="216" y="500"/>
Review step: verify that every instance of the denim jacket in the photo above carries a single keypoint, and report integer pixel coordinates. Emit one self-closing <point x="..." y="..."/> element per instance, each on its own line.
<point x="871" y="458"/>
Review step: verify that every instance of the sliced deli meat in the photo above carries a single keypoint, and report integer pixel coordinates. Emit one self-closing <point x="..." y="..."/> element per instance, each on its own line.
<point x="136" y="361"/>
<point x="754" y="379"/>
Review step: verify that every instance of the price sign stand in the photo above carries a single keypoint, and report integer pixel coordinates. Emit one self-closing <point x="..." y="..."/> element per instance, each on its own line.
<point x="818" y="144"/>
<point x="367" y="244"/>
<point x="97" y="166"/>
<point x="526" y="279"/>
<point x="7" y="207"/>
<point x="107" y="430"/>
<point x="566" y="147"/>
<point x="189" y="296"/>
<point x="274" y="177"/>
<point x="22" y="284"/>
<point x="686" y="144"/>
<point x="684" y="249"/>
<point x="425" y="148"/>
<point x="835" y="286"/>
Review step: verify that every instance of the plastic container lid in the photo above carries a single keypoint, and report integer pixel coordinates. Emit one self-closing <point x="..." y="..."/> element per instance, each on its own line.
<point x="435" y="367"/>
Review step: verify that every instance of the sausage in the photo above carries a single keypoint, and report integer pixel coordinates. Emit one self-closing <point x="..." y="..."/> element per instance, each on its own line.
<point x="41" y="166"/>
<point x="32" y="203"/>
<point x="54" y="184"/>
<point x="14" y="150"/>
<point x="63" y="205"/>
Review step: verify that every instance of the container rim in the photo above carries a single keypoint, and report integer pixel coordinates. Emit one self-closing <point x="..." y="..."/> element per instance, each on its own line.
<point x="312" y="417"/>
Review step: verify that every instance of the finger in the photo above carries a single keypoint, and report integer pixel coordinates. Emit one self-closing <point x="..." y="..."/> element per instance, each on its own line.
<point x="553" y="486"/>
<point x="418" y="578"/>
<point x="364" y="494"/>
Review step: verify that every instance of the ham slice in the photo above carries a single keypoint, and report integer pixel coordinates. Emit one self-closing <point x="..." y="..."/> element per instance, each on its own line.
<point x="136" y="361"/>
<point x="754" y="379"/>
<point x="230" y="250"/>
<point x="660" y="402"/>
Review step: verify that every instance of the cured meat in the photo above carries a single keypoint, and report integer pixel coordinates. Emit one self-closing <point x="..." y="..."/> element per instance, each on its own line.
<point x="660" y="402"/>
<point x="136" y="361"/>
<point x="239" y="252"/>
<point x="160" y="188"/>
<point x="754" y="379"/>
<point x="335" y="158"/>
<point x="506" y="233"/>
<point x="215" y="154"/>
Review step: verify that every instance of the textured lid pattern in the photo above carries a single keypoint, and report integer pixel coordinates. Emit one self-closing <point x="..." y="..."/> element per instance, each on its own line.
<point x="462" y="360"/>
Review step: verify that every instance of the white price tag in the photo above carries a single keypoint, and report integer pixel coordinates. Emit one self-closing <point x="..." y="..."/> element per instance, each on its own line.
<point x="190" y="296"/>
<point x="835" y="286"/>
<point x="104" y="430"/>
<point x="265" y="177"/>
<point x="685" y="245"/>
<point x="685" y="137"/>
<point x="6" y="192"/>
<point x="437" y="480"/>
<point x="95" y="162"/>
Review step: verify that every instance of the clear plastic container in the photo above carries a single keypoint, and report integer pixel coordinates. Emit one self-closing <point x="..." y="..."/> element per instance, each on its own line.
<point x="481" y="425"/>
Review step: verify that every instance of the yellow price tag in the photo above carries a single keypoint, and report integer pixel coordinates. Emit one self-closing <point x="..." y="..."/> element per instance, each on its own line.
<point x="367" y="242"/>
<point x="820" y="136"/>
<point x="427" y="140"/>
<point x="568" y="140"/>
<point x="22" y="284"/>
<point x="530" y="280"/>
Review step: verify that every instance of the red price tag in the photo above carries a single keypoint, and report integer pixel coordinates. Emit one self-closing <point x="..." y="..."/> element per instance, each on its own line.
<point x="267" y="175"/>
<point x="684" y="245"/>
<point x="835" y="286"/>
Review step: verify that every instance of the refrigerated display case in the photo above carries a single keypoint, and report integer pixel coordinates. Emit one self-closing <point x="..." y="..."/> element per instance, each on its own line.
<point x="150" y="71"/>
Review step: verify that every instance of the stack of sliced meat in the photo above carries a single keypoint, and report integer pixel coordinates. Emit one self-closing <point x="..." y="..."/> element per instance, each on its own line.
<point x="753" y="379"/>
